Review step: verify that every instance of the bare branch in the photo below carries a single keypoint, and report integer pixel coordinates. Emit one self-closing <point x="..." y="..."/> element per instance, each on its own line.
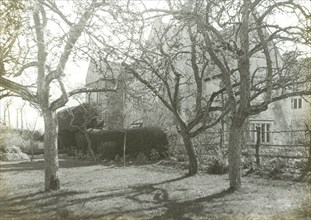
<point x="24" y="67"/>
<point x="52" y="6"/>
<point x="254" y="110"/>
<point x="21" y="90"/>
<point x="64" y="98"/>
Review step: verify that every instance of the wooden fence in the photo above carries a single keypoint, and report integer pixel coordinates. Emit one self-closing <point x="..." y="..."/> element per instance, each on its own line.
<point x="299" y="150"/>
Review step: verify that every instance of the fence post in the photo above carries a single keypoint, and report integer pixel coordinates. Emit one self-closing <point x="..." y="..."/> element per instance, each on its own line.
<point x="257" y="146"/>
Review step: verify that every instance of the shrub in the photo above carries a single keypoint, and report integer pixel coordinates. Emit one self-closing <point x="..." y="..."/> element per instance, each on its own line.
<point x="274" y="169"/>
<point x="109" y="143"/>
<point x="248" y="162"/>
<point x="106" y="150"/>
<point x="154" y="155"/>
<point x="81" y="116"/>
<point x="35" y="148"/>
<point x="12" y="153"/>
<point x="22" y="140"/>
<point x="78" y="154"/>
<point x="217" y="166"/>
<point x="141" y="158"/>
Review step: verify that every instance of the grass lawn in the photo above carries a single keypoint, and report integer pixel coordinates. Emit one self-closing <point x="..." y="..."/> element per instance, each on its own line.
<point x="151" y="191"/>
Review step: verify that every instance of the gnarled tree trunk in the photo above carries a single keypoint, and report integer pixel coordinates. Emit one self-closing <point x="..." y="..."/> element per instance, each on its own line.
<point x="50" y="151"/>
<point x="234" y="152"/>
<point x="193" y="162"/>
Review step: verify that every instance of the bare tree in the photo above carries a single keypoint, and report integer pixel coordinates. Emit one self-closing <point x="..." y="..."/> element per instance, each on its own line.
<point x="40" y="54"/>
<point x="235" y="44"/>
<point x="174" y="67"/>
<point x="244" y="44"/>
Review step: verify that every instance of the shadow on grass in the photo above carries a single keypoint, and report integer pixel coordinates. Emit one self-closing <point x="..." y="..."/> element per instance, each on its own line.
<point x="180" y="210"/>
<point x="152" y="198"/>
<point x="173" y="209"/>
<point x="146" y="198"/>
<point x="37" y="205"/>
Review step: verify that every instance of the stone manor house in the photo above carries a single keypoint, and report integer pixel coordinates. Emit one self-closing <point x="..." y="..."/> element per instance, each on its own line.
<point x="123" y="109"/>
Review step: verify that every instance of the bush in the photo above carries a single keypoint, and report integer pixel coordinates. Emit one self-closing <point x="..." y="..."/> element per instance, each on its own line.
<point x="155" y="155"/>
<point x="276" y="168"/>
<point x="81" y="116"/>
<point x="107" y="144"/>
<point x="78" y="154"/>
<point x="106" y="150"/>
<point x="35" y="148"/>
<point x="141" y="158"/>
<point x="12" y="153"/>
<point x="248" y="162"/>
<point x="217" y="166"/>
<point x="22" y="140"/>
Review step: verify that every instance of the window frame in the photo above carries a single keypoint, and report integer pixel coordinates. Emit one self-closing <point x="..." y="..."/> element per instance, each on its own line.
<point x="296" y="103"/>
<point x="265" y="134"/>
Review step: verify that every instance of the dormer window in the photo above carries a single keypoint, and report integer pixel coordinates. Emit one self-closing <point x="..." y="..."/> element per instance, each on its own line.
<point x="296" y="103"/>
